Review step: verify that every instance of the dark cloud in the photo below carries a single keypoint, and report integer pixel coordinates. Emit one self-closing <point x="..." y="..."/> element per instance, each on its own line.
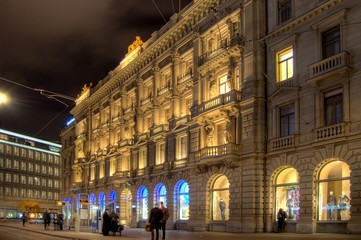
<point x="61" y="45"/>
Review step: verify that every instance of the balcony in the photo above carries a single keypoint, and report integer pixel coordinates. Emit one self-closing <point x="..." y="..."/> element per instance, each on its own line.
<point x="223" y="99"/>
<point x="125" y="142"/>
<point x="159" y="129"/>
<point x="330" y="132"/>
<point x="146" y="100"/>
<point x="217" y="151"/>
<point x="291" y="82"/>
<point x="221" y="48"/>
<point x="179" y="163"/>
<point x="163" y="89"/>
<point x="283" y="142"/>
<point x="338" y="63"/>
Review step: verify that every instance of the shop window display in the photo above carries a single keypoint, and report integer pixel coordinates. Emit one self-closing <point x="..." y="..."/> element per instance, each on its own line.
<point x="182" y="199"/>
<point x="287" y="191"/>
<point x="161" y="194"/>
<point x="334" y="192"/>
<point x="220" y="196"/>
<point x="143" y="203"/>
<point x="101" y="201"/>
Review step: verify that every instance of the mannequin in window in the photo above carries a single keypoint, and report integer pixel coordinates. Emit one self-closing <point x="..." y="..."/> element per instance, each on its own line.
<point x="289" y="206"/>
<point x="222" y="207"/>
<point x="331" y="204"/>
<point x="342" y="202"/>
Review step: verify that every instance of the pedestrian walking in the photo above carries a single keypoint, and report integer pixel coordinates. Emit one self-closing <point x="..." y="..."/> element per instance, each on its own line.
<point x="163" y="222"/>
<point x="24" y="217"/>
<point x="154" y="219"/>
<point x="46" y="218"/>
<point x="106" y="223"/>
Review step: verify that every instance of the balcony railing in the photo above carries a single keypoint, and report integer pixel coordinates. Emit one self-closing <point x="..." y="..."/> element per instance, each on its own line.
<point x="329" y="64"/>
<point x="218" y="151"/>
<point x="283" y="142"/>
<point x="163" y="89"/>
<point x="159" y="129"/>
<point x="146" y="100"/>
<point x="184" y="77"/>
<point x="180" y="163"/>
<point x="126" y="142"/>
<point x="286" y="83"/>
<point x="330" y="132"/>
<point x="232" y="96"/>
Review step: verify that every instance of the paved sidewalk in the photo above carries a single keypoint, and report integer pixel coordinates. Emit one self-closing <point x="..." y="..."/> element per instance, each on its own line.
<point x="137" y="233"/>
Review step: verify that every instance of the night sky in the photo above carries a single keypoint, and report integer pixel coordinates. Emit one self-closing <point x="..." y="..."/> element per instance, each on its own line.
<point x="60" y="45"/>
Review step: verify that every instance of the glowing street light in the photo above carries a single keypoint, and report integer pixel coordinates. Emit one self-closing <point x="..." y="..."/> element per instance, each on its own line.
<point x="3" y="98"/>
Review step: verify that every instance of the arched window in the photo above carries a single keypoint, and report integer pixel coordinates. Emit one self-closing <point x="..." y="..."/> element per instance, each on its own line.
<point x="287" y="191"/>
<point x="334" y="192"/>
<point x="69" y="210"/>
<point x="160" y="194"/>
<point x="112" y="201"/>
<point x="181" y="193"/>
<point x="92" y="199"/>
<point x="101" y="201"/>
<point x="220" y="199"/>
<point x="143" y="203"/>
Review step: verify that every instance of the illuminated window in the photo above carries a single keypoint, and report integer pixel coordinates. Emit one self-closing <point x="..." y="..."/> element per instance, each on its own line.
<point x="287" y="120"/>
<point x="30" y="180"/>
<point x="112" y="167"/>
<point x="287" y="191"/>
<point x="182" y="200"/>
<point x="334" y="192"/>
<point x="285" y="64"/>
<point x="142" y="158"/>
<point x="92" y="172"/>
<point x="223" y="85"/>
<point x="143" y="203"/>
<point x="160" y="154"/>
<point x="101" y="169"/>
<point x="182" y="147"/>
<point x="30" y="193"/>
<point x="220" y="199"/>
<point x="160" y="194"/>
<point x="101" y="201"/>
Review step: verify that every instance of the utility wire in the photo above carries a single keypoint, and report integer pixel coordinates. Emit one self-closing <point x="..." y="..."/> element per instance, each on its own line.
<point x="173" y="5"/>
<point x="159" y="11"/>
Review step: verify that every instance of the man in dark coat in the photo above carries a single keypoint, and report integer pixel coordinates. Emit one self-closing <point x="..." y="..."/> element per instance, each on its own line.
<point x="106" y="223"/>
<point x="154" y="219"/>
<point x="46" y="217"/>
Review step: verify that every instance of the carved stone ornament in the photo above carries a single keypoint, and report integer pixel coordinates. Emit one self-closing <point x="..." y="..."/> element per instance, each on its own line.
<point x="200" y="168"/>
<point x="231" y="163"/>
<point x="330" y="150"/>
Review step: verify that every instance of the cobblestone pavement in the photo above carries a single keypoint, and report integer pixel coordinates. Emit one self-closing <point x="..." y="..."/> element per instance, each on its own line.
<point x="137" y="233"/>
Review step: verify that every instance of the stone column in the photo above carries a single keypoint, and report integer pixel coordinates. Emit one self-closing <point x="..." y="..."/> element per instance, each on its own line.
<point x="156" y="113"/>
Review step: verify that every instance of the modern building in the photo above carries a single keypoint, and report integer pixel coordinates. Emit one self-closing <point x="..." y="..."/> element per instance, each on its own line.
<point x="30" y="169"/>
<point x="231" y="111"/>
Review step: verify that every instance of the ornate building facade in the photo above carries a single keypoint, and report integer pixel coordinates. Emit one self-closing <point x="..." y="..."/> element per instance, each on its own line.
<point x="232" y="110"/>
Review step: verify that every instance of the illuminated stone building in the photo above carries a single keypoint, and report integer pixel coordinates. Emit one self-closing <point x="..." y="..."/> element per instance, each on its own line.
<point x="29" y="170"/>
<point x="232" y="110"/>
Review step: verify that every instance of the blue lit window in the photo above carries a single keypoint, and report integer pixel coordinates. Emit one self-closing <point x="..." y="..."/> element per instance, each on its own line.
<point x="182" y="200"/>
<point x="143" y="203"/>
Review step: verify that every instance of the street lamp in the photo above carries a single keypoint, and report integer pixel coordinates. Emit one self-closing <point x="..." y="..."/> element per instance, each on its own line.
<point x="3" y="98"/>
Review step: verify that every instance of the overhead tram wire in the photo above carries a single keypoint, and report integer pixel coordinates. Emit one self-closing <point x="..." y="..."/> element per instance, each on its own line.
<point x="48" y="94"/>
<point x="173" y="6"/>
<point x="160" y="12"/>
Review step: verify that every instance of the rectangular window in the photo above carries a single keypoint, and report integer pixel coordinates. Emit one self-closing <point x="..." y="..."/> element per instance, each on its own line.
<point x="7" y="177"/>
<point x="31" y="180"/>
<point x="331" y="42"/>
<point x="223" y="85"/>
<point x="23" y="166"/>
<point x="56" y="171"/>
<point x="284" y="10"/>
<point x="182" y="148"/>
<point x="15" y="178"/>
<point x="287" y="120"/>
<point x="56" y="183"/>
<point x="333" y="109"/>
<point x="101" y="170"/>
<point x="142" y="158"/>
<point x="31" y="167"/>
<point x="30" y="193"/>
<point x="23" y="179"/>
<point x="285" y="64"/>
<point x="112" y="167"/>
<point x="43" y="194"/>
<point x="92" y="172"/>
<point x="22" y="192"/>
<point x="50" y="183"/>
<point x="43" y="182"/>
<point x="160" y="153"/>
<point x="15" y="192"/>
